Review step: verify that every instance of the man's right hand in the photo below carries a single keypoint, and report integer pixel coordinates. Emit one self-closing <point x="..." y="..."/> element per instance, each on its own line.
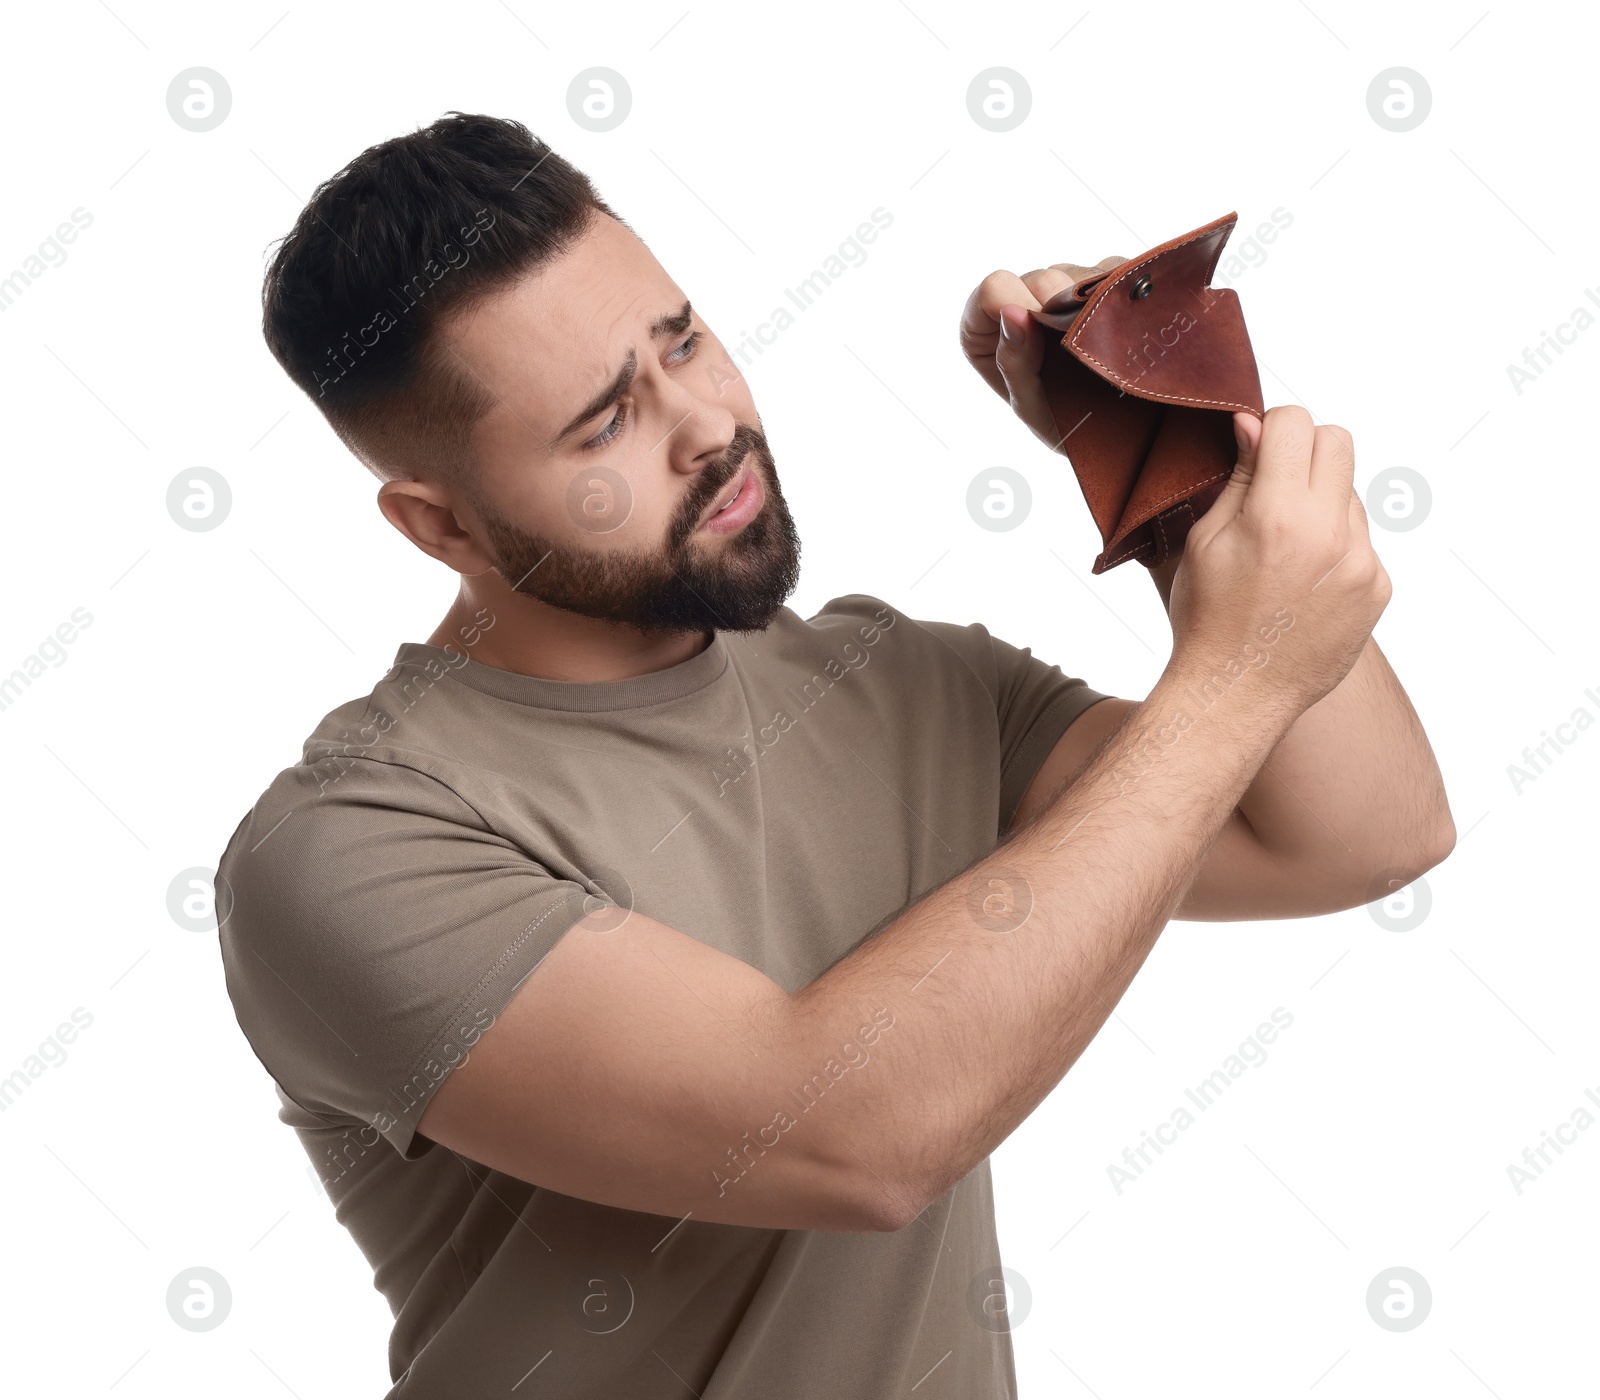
<point x="1280" y="575"/>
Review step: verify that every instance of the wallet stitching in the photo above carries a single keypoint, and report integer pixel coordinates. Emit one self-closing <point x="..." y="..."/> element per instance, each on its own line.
<point x="1132" y="268"/>
<point x="1127" y="553"/>
<point x="1188" y="491"/>
<point x="1076" y="334"/>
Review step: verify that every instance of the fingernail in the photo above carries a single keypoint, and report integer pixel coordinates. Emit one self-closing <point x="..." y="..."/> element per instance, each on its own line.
<point x="1008" y="328"/>
<point x="1238" y="435"/>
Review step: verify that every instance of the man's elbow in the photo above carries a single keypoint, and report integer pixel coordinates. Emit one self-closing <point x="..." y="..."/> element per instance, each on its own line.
<point x="1444" y="841"/>
<point x="870" y="1205"/>
<point x="1400" y="866"/>
<point x="851" y="1196"/>
<point x="883" y="1214"/>
<point x="1437" y="840"/>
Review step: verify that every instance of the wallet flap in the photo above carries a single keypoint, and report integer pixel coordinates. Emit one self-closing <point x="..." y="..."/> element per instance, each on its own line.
<point x="1155" y="327"/>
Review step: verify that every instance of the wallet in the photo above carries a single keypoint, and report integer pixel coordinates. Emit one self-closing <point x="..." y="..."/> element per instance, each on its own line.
<point x="1151" y="366"/>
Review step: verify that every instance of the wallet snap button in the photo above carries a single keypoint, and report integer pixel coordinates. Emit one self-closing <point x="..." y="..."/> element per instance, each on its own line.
<point x="1140" y="289"/>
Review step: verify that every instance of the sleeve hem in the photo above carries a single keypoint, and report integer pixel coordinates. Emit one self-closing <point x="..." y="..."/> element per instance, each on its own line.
<point x="473" y="1015"/>
<point x="1042" y="738"/>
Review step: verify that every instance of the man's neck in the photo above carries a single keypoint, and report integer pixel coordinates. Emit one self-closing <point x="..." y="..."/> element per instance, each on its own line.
<point x="513" y="632"/>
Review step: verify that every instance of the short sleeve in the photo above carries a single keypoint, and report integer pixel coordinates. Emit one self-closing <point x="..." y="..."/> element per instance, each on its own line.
<point x="372" y="928"/>
<point x="1035" y="702"/>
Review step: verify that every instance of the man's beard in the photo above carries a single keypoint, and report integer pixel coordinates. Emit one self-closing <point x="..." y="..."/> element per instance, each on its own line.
<point x="739" y="588"/>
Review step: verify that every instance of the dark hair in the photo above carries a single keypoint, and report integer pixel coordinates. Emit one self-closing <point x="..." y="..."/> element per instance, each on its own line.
<point x="409" y="232"/>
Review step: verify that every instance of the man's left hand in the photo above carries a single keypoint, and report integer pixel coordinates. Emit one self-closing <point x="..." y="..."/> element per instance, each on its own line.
<point x="1010" y="363"/>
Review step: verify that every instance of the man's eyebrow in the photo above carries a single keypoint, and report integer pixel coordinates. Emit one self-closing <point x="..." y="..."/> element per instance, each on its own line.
<point x="663" y="326"/>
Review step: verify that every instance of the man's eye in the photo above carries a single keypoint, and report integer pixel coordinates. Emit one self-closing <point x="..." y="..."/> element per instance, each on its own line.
<point x="613" y="429"/>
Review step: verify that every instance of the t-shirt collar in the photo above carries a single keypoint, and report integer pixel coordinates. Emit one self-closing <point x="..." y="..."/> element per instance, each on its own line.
<point x="633" y="692"/>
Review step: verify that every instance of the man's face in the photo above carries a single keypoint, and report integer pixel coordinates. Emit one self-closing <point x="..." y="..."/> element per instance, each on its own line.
<point x="595" y="486"/>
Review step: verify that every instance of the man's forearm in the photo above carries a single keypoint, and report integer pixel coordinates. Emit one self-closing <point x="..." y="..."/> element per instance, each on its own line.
<point x="999" y="979"/>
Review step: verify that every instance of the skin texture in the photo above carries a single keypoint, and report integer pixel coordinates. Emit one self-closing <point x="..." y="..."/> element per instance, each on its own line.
<point x="635" y="1056"/>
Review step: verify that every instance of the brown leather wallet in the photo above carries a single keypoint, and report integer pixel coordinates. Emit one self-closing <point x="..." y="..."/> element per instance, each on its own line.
<point x="1143" y="386"/>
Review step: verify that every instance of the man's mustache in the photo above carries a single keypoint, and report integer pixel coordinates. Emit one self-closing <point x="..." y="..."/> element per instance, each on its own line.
<point x="711" y="480"/>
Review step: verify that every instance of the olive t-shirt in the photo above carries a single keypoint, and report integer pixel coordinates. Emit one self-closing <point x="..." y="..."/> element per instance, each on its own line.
<point x="779" y="796"/>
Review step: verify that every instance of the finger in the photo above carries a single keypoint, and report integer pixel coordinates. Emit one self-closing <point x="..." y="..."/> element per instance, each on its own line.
<point x="980" y="322"/>
<point x="1046" y="282"/>
<point x="1019" y="358"/>
<point x="1281" y="467"/>
<point x="1333" y="463"/>
<point x="980" y="317"/>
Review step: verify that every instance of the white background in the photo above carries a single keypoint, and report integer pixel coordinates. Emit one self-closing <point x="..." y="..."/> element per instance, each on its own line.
<point x="1416" y="268"/>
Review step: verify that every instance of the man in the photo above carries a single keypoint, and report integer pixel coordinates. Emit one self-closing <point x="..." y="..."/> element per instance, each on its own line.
<point x="650" y="972"/>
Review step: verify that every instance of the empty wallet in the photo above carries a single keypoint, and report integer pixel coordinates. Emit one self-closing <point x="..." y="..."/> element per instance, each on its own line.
<point x="1143" y="385"/>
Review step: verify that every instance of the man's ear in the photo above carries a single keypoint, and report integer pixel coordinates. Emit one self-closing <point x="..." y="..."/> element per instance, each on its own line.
<point x="428" y="514"/>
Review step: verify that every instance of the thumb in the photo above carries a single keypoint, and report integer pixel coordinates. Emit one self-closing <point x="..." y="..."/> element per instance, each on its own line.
<point x="1247" y="433"/>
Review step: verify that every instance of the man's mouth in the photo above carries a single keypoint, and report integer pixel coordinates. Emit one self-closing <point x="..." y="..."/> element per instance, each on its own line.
<point x="739" y="502"/>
